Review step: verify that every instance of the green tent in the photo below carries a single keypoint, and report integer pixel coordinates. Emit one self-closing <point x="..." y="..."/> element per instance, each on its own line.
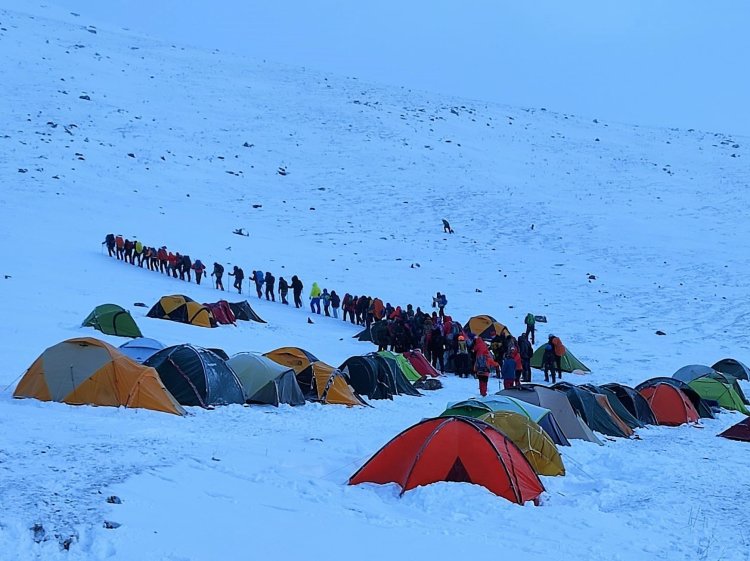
<point x="721" y="393"/>
<point x="111" y="319"/>
<point x="266" y="381"/>
<point x="569" y="361"/>
<point x="404" y="365"/>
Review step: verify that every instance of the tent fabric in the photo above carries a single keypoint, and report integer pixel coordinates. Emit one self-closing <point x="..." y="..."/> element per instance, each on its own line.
<point x="112" y="319"/>
<point x="740" y="431"/>
<point x="397" y="379"/>
<point x="87" y="371"/>
<point x="476" y="407"/>
<point x="244" y="311"/>
<point x="182" y="309"/>
<point x="670" y="405"/>
<point x="605" y="404"/>
<point x="733" y="368"/>
<point x="367" y="378"/>
<point x="294" y="357"/>
<point x="222" y="312"/>
<point x="404" y="365"/>
<point x="721" y="393"/>
<point x="363" y="335"/>
<point x="692" y="371"/>
<point x="141" y="349"/>
<point x="530" y="438"/>
<point x="591" y="410"/>
<point x="569" y="362"/>
<point x="700" y="405"/>
<point x="616" y="405"/>
<point x="486" y="327"/>
<point x="570" y="423"/>
<point x="197" y="376"/>
<point x="265" y="381"/>
<point x="634" y="402"/>
<point x="453" y="449"/>
<point x="420" y="363"/>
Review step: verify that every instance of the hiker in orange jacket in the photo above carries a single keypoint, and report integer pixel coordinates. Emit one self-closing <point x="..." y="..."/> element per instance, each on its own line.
<point x="560" y="351"/>
<point x="482" y="366"/>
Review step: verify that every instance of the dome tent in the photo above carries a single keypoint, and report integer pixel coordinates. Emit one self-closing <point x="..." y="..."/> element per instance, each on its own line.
<point x="486" y="327"/>
<point x="733" y="368"/>
<point x="196" y="376"/>
<point x="634" y="402"/>
<point x="671" y="406"/>
<point x="112" y="319"/>
<point x="701" y="405"/>
<point x="266" y="381"/>
<point x="569" y="362"/>
<point x="458" y="449"/>
<point x="141" y="349"/>
<point x="182" y="309"/>
<point x="87" y="371"/>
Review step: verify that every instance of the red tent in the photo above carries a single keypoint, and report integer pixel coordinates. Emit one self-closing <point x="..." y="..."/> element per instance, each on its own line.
<point x="453" y="449"/>
<point x="420" y="363"/>
<point x="222" y="312"/>
<point x="670" y="405"/>
<point x="740" y="431"/>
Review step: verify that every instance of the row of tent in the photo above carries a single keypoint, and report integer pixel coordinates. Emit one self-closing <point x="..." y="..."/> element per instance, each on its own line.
<point x="112" y="319"/>
<point x="505" y="441"/>
<point x="144" y="373"/>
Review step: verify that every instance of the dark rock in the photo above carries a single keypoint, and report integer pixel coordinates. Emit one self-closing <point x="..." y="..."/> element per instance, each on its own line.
<point x="87" y="98"/>
<point x="109" y="525"/>
<point x="660" y="332"/>
<point x="114" y="500"/>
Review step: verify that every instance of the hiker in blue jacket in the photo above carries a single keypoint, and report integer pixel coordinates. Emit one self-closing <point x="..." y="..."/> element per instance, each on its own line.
<point x="259" y="279"/>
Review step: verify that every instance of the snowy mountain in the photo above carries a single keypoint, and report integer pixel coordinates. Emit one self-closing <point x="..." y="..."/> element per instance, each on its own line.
<point x="612" y="231"/>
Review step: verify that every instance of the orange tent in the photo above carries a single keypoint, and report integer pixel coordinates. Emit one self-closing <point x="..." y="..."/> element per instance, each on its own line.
<point x="670" y="405"/>
<point x="87" y="371"/>
<point x="457" y="449"/>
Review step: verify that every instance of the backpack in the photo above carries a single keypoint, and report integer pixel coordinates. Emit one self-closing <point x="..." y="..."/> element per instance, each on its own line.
<point x="530" y="320"/>
<point x="198" y="264"/>
<point x="481" y="364"/>
<point x="218" y="270"/>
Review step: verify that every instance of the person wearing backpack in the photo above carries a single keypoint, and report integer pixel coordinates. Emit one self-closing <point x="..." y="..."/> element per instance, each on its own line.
<point x="548" y="363"/>
<point x="335" y="303"/>
<point x="109" y="241"/>
<point x="120" y="244"/>
<point x="508" y="372"/>
<point x="530" y="322"/>
<point x="526" y="351"/>
<point x="185" y="267"/>
<point x="217" y="274"/>
<point x="199" y="269"/>
<point x="139" y="253"/>
<point x="462" y="357"/>
<point x="270" y="284"/>
<point x="482" y="365"/>
<point x="559" y="349"/>
<point x="239" y="276"/>
<point x="283" y="290"/>
<point x="441" y="301"/>
<point x="315" y="298"/>
<point x="259" y="279"/>
<point x="436" y="346"/>
<point x="326" y="298"/>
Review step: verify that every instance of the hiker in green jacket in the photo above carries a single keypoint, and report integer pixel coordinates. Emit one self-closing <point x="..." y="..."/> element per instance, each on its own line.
<point x="530" y="322"/>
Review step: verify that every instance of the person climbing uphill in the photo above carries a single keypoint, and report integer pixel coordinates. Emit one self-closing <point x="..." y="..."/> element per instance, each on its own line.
<point x="297" y="290"/>
<point x="199" y="269"/>
<point x="441" y="302"/>
<point x="259" y="279"/>
<point x="530" y="322"/>
<point x="217" y="274"/>
<point x="548" y="362"/>
<point x="283" y="290"/>
<point x="560" y="351"/>
<point x="270" y="282"/>
<point x="335" y="303"/>
<point x="447" y="227"/>
<point x="238" y="275"/>
<point x="315" y="298"/>
<point x="482" y="366"/>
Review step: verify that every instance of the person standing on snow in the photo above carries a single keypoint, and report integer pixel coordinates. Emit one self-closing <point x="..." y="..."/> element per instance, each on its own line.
<point x="441" y="302"/>
<point x="283" y="290"/>
<point x="218" y="273"/>
<point x="270" y="284"/>
<point x="548" y="363"/>
<point x="199" y="269"/>
<point x="315" y="298"/>
<point x="526" y="351"/>
<point x="120" y="244"/>
<point x="335" y="303"/>
<point x="462" y="358"/>
<point x="297" y="287"/>
<point x="530" y="322"/>
<point x="447" y="227"/>
<point x="239" y="276"/>
<point x="259" y="279"/>
<point x="560" y="351"/>
<point x="508" y="372"/>
<point x="109" y="241"/>
<point x="482" y="365"/>
<point x="326" y="298"/>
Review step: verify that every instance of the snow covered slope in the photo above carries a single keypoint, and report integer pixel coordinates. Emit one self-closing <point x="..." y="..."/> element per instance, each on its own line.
<point x="106" y="131"/>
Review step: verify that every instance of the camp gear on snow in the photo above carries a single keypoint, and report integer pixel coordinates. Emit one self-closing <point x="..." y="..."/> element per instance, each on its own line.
<point x="112" y="319"/>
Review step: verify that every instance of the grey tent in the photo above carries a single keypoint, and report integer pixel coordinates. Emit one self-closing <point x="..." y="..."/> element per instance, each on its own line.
<point x="266" y="381"/>
<point x="371" y="375"/>
<point x="572" y="426"/>
<point x="400" y="381"/>
<point x="593" y="411"/>
<point x="634" y="402"/>
<point x="694" y="371"/>
<point x="733" y="368"/>
<point x="141" y="349"/>
<point x="618" y="406"/>
<point x="244" y="311"/>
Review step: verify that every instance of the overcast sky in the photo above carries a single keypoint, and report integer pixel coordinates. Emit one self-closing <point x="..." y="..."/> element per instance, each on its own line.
<point x="673" y="62"/>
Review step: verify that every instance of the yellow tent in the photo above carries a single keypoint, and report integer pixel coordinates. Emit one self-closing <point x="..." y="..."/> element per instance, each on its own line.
<point x="486" y="327"/>
<point x="87" y="371"/>
<point x="183" y="309"/>
<point x="538" y="448"/>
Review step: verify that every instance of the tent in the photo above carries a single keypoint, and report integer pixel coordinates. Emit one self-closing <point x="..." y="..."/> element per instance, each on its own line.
<point x="606" y="405"/>
<point x="733" y="368"/>
<point x="196" y="376"/>
<point x="701" y="406"/>
<point x="317" y="380"/>
<point x="140" y="349"/>
<point x="453" y="449"/>
<point x="403" y="364"/>
<point x="244" y="312"/>
<point x="570" y="423"/>
<point x="634" y="402"/>
<point x="266" y="381"/>
<point x="486" y="327"/>
<point x="182" y="309"/>
<point x="476" y="407"/>
<point x="86" y="371"/>
<point x="693" y="371"/>
<point x="569" y="362"/>
<point x="740" y="431"/>
<point x="363" y="335"/>
<point x="538" y="448"/>
<point x="222" y="312"/>
<point x="420" y="363"/>
<point x="112" y="319"/>
<point x="375" y="377"/>
<point x="616" y="405"/>
<point x="723" y="394"/>
<point x="671" y="405"/>
<point x="595" y="412"/>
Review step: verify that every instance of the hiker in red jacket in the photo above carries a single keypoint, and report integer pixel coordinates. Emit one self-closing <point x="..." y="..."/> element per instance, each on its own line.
<point x="560" y="351"/>
<point x="482" y="366"/>
<point x="163" y="257"/>
<point x="171" y="264"/>
<point x="199" y="269"/>
<point x="120" y="244"/>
